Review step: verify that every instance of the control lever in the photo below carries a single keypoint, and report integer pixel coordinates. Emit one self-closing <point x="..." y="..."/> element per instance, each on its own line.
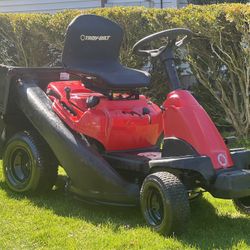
<point x="67" y="91"/>
<point x="146" y="111"/>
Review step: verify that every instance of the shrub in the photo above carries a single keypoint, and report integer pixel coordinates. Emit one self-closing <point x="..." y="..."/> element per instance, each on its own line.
<point x="203" y="2"/>
<point x="220" y="57"/>
<point x="219" y="52"/>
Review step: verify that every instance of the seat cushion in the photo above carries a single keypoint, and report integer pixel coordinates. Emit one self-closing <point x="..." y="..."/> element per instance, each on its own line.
<point x="115" y="76"/>
<point x="92" y="47"/>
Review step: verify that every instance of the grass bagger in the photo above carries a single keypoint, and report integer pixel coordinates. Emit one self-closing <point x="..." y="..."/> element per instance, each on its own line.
<point x="89" y="117"/>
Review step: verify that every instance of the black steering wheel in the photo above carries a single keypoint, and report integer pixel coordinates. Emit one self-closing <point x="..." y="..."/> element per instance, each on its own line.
<point x="184" y="36"/>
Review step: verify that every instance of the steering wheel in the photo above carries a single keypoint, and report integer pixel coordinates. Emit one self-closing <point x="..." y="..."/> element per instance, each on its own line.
<point x="171" y="35"/>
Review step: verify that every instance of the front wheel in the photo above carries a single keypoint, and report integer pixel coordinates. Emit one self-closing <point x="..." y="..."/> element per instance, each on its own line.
<point x="242" y="204"/>
<point x="164" y="203"/>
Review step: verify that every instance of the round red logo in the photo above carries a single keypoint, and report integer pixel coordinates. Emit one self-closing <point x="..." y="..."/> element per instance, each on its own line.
<point x="222" y="159"/>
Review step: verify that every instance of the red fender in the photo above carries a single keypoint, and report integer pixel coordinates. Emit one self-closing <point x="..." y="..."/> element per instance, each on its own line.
<point x="185" y="119"/>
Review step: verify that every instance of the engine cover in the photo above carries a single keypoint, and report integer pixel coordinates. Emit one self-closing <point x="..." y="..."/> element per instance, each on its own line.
<point x="118" y="123"/>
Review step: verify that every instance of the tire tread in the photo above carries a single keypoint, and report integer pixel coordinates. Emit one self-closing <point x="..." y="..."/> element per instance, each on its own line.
<point x="45" y="160"/>
<point x="177" y="197"/>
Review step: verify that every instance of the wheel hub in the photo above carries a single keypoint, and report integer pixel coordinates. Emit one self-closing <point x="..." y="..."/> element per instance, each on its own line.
<point x="20" y="168"/>
<point x="155" y="206"/>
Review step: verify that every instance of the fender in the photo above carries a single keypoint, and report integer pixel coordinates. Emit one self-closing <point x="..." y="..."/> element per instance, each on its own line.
<point x="185" y="119"/>
<point x="198" y="164"/>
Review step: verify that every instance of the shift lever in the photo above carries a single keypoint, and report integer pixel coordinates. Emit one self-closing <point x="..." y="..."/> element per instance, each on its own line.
<point x="67" y="91"/>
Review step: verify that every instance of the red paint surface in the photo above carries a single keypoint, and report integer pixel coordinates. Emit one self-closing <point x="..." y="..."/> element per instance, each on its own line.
<point x="184" y="118"/>
<point x="117" y="124"/>
<point x="121" y="125"/>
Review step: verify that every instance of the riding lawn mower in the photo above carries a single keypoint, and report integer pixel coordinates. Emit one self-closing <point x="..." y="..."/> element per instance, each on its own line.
<point x="89" y="117"/>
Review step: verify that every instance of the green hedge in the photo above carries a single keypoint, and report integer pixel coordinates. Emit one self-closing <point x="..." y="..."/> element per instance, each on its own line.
<point x="37" y="40"/>
<point x="203" y="2"/>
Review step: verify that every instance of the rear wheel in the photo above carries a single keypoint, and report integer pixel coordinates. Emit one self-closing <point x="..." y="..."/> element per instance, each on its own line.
<point x="28" y="164"/>
<point x="242" y="204"/>
<point x="164" y="203"/>
<point x="194" y="195"/>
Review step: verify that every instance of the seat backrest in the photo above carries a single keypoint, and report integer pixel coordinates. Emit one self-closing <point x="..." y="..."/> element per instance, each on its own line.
<point x="91" y="39"/>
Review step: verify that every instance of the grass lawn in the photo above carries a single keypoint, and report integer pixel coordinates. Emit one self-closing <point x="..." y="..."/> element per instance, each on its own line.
<point x="56" y="221"/>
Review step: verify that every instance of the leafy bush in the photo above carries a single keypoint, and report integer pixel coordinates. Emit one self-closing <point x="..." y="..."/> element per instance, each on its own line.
<point x="220" y="58"/>
<point x="219" y="52"/>
<point x="203" y="2"/>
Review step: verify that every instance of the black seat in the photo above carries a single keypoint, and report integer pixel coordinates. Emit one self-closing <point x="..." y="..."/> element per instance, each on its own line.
<point x="92" y="47"/>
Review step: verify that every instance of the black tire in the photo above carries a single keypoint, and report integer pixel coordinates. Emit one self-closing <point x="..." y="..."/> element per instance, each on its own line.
<point x="242" y="204"/>
<point x="164" y="203"/>
<point x="29" y="166"/>
<point x="194" y="196"/>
